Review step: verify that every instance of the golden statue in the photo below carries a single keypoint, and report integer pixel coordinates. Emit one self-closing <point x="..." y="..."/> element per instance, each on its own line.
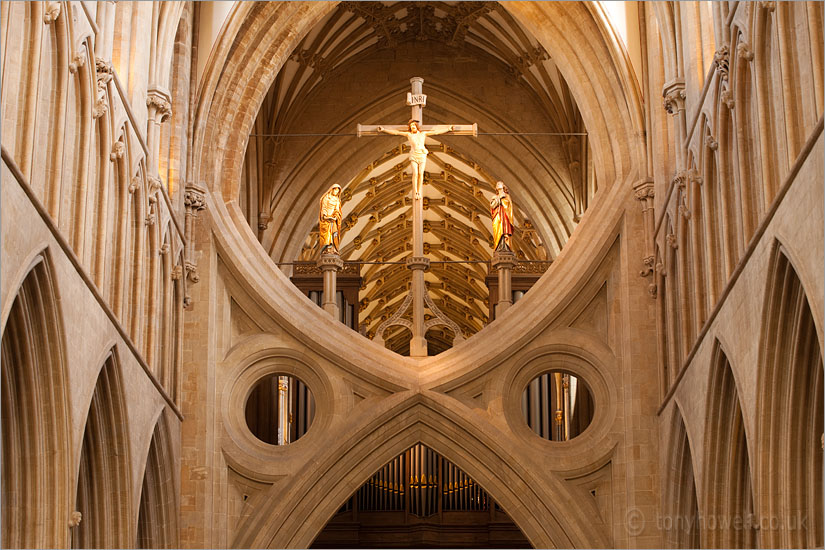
<point x="501" y="210"/>
<point x="329" y="220"/>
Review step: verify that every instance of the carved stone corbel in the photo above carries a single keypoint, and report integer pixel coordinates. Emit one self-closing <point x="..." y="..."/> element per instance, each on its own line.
<point x="78" y="60"/>
<point x="743" y="51"/>
<point x="674" y="97"/>
<point x="100" y="108"/>
<point x="727" y="98"/>
<point x="159" y="103"/>
<point x="75" y="518"/>
<point x="104" y="76"/>
<point x="194" y="200"/>
<point x="711" y="143"/>
<point x="155" y="184"/>
<point x="670" y="239"/>
<point x="721" y="59"/>
<point x="118" y="149"/>
<point x="263" y="220"/>
<point x="164" y="250"/>
<point x="50" y="15"/>
<point x="134" y="185"/>
<point x="644" y="193"/>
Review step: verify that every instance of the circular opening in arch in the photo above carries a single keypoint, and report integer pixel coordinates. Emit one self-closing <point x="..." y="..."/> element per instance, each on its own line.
<point x="557" y="405"/>
<point x="280" y="409"/>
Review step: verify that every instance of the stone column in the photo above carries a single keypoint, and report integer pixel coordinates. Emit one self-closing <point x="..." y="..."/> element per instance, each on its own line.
<point x="644" y="193"/>
<point x="418" y="265"/>
<point x="330" y="265"/>
<point x="194" y="200"/>
<point x="503" y="262"/>
<point x="159" y="109"/>
<point x="674" y="103"/>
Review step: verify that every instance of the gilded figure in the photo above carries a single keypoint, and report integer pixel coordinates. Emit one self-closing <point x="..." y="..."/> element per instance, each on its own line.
<point x="501" y="210"/>
<point x="329" y="220"/>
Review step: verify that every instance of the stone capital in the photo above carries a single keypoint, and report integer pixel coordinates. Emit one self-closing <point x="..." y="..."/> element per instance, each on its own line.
<point x="194" y="198"/>
<point x="118" y="149"/>
<point x="418" y="262"/>
<point x="159" y="103"/>
<point x="503" y="259"/>
<point x="721" y="59"/>
<point x="674" y="97"/>
<point x="743" y="50"/>
<point x="330" y="262"/>
<point x="50" y="15"/>
<point x="644" y="190"/>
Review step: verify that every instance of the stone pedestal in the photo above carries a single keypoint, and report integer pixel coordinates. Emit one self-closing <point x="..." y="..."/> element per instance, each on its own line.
<point x="503" y="262"/>
<point x="330" y="265"/>
<point x="418" y="344"/>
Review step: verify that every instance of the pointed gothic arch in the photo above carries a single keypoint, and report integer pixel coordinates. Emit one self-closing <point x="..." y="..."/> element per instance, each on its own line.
<point x="104" y="477"/>
<point x="728" y="489"/>
<point x="295" y="514"/>
<point x="157" y="525"/>
<point x="789" y="405"/>
<point x="35" y="416"/>
<point x="681" y="505"/>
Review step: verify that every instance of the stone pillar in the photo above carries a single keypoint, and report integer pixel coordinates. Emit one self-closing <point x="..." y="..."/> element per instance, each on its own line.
<point x="644" y="194"/>
<point x="674" y="103"/>
<point x="418" y="265"/>
<point x="194" y="200"/>
<point x="330" y="265"/>
<point x="159" y="109"/>
<point x="503" y="262"/>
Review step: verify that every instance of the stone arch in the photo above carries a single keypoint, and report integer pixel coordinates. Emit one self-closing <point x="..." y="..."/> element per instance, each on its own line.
<point x="35" y="416"/>
<point x="669" y="33"/>
<point x="681" y="505"/>
<point x="103" y="495"/>
<point x="790" y="424"/>
<point x="727" y="474"/>
<point x="157" y="525"/>
<point x="294" y="515"/>
<point x="233" y="90"/>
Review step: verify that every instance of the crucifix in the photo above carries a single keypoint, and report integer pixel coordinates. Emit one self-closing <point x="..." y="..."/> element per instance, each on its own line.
<point x="416" y="133"/>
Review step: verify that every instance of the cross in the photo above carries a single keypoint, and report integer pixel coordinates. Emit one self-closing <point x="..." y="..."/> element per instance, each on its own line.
<point x="418" y="263"/>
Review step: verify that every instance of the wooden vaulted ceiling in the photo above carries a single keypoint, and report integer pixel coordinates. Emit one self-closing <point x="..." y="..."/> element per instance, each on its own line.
<point x="354" y="47"/>
<point x="377" y="227"/>
<point x="356" y="29"/>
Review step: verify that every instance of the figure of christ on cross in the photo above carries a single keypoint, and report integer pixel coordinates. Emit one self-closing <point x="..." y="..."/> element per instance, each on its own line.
<point x="418" y="151"/>
<point x="416" y="133"/>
